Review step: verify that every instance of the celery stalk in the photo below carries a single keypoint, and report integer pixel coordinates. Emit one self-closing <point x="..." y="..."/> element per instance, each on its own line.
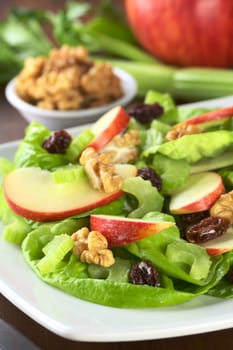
<point x="148" y="76"/>
<point x="202" y="83"/>
<point x="124" y="49"/>
<point x="182" y="83"/>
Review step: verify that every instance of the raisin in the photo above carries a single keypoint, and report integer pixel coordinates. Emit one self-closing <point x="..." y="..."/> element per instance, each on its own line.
<point x="194" y="218"/>
<point x="182" y="228"/>
<point x="230" y="275"/>
<point x="145" y="113"/>
<point x="144" y="272"/>
<point x="148" y="173"/>
<point x="207" y="229"/>
<point x="57" y="142"/>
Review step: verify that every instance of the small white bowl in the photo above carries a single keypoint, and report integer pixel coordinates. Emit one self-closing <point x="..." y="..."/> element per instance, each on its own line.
<point x="56" y="120"/>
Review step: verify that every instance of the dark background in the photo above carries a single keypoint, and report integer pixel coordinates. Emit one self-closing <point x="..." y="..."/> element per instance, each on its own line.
<point x="5" y="5"/>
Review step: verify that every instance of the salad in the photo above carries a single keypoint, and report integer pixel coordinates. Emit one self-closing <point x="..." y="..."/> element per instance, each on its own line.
<point x="133" y="212"/>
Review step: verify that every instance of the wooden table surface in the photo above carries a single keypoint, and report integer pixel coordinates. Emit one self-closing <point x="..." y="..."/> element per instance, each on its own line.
<point x="12" y="127"/>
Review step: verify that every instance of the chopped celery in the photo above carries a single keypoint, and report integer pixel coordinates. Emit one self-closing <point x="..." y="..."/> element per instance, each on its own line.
<point x="16" y="231"/>
<point x="78" y="144"/>
<point x="54" y="252"/>
<point x="148" y="197"/>
<point x="68" y="174"/>
<point x="189" y="257"/>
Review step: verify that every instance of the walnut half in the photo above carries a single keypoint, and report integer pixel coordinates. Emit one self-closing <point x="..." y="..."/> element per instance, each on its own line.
<point x="100" y="171"/>
<point x="92" y="247"/>
<point x="182" y="129"/>
<point x="223" y="207"/>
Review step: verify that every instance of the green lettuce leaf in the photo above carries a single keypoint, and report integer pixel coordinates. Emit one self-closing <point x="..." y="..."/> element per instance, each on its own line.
<point x="174" y="173"/>
<point x="71" y="276"/>
<point x="170" y="114"/>
<point x="194" y="147"/>
<point x="31" y="153"/>
<point x="191" y="263"/>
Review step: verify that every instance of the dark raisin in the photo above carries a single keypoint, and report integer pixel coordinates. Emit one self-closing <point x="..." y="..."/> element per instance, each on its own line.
<point x="57" y="142"/>
<point x="207" y="229"/>
<point x="194" y="218"/>
<point x="182" y="228"/>
<point x="144" y="272"/>
<point x="148" y="173"/>
<point x="230" y="275"/>
<point x="145" y="113"/>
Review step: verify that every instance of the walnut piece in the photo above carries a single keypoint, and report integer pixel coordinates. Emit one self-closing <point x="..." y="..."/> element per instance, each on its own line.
<point x="182" y="129"/>
<point x="67" y="80"/>
<point x="92" y="247"/>
<point x="122" y="149"/>
<point x="100" y="171"/>
<point x="223" y="207"/>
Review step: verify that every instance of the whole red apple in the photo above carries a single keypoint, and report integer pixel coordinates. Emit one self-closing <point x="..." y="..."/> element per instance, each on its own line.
<point x="184" y="32"/>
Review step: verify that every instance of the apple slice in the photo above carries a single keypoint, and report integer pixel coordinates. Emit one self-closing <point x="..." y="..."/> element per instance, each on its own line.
<point x="120" y="230"/>
<point x="109" y="125"/>
<point x="31" y="193"/>
<point x="220" y="245"/>
<point x="199" y="194"/>
<point x="208" y="118"/>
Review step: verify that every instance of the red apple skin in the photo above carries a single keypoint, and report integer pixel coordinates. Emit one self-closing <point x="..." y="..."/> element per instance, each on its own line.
<point x="41" y="216"/>
<point x="31" y="193"/>
<point x="202" y="204"/>
<point x="220" y="114"/>
<point x="217" y="251"/>
<point x="114" y="122"/>
<point x="219" y="245"/>
<point x="120" y="231"/>
<point x="184" y="32"/>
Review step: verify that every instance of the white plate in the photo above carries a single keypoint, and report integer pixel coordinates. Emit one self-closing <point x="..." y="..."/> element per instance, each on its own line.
<point x="79" y="320"/>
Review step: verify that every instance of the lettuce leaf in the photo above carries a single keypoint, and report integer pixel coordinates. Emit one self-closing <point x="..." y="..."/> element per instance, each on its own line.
<point x="191" y="263"/>
<point x="194" y="147"/>
<point x="71" y="276"/>
<point x="174" y="173"/>
<point x="170" y="114"/>
<point x="31" y="153"/>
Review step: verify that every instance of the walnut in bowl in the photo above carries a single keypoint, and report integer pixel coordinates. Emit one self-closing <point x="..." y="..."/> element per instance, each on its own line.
<point x="67" y="88"/>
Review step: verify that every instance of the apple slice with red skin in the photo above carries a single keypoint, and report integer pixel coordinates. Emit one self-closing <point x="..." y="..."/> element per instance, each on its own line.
<point x="109" y="125"/>
<point x="120" y="230"/>
<point x="219" y="245"/>
<point x="31" y="193"/>
<point x="199" y="194"/>
<point x="207" y="119"/>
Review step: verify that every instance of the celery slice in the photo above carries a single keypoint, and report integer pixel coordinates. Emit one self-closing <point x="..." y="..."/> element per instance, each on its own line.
<point x="67" y="174"/>
<point x="16" y="231"/>
<point x="78" y="144"/>
<point x="54" y="252"/>
<point x="148" y="197"/>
